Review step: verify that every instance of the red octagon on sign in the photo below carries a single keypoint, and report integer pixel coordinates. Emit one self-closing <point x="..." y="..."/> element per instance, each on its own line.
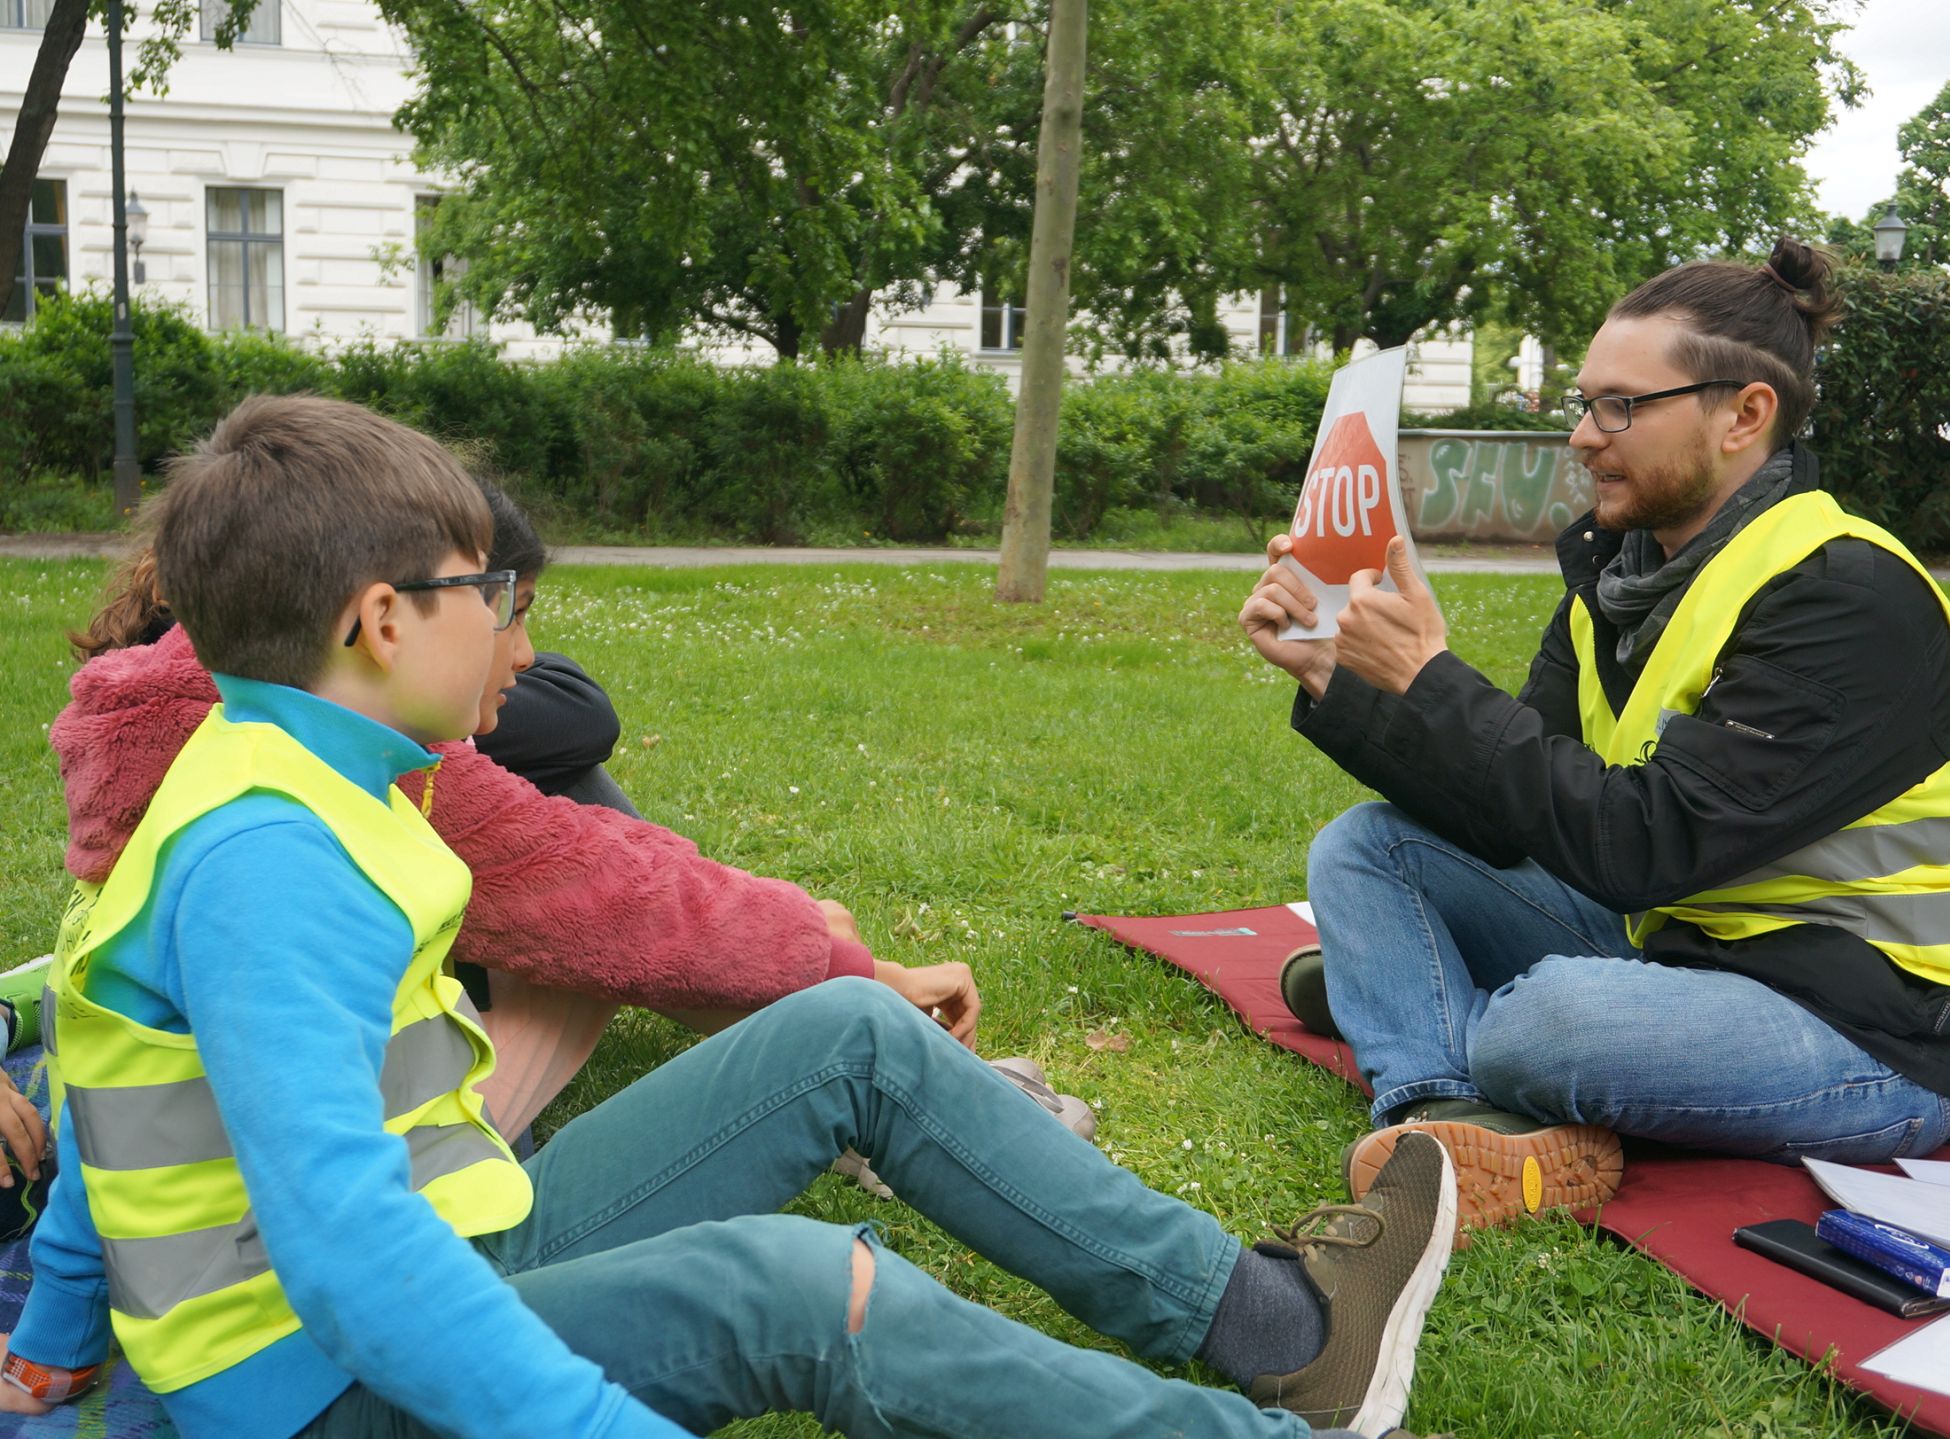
<point x="1343" y="522"/>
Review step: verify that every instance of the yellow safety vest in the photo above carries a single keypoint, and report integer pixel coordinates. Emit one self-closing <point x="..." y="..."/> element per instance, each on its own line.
<point x="190" y="1289"/>
<point x="1886" y="876"/>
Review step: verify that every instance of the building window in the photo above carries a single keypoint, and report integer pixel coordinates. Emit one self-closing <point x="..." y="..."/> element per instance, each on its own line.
<point x="429" y="272"/>
<point x="1002" y="324"/>
<point x="264" y="27"/>
<point x="24" y="14"/>
<point x="246" y="259"/>
<point x="43" y="267"/>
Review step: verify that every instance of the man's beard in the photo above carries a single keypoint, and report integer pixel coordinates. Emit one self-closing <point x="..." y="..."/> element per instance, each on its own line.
<point x="1661" y="498"/>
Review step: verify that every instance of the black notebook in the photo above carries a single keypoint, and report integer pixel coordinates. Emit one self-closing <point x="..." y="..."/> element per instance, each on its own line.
<point x="1795" y="1244"/>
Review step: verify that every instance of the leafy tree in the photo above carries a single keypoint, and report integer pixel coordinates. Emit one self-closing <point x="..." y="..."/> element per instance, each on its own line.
<point x="1528" y="160"/>
<point x="67" y="22"/>
<point x="774" y="170"/>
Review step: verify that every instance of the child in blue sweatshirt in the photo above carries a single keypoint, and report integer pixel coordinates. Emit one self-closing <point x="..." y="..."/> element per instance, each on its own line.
<point x="277" y="1184"/>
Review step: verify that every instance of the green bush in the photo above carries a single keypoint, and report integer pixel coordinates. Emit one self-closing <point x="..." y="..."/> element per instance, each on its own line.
<point x="620" y="440"/>
<point x="771" y="473"/>
<point x="56" y="386"/>
<point x="1881" y="424"/>
<point x="918" y="447"/>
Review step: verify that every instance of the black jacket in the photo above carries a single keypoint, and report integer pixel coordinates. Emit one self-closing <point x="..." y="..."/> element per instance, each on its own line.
<point x="556" y="727"/>
<point x="1833" y="698"/>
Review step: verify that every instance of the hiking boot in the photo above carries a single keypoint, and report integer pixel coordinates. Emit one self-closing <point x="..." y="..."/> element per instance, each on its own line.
<point x="1375" y="1267"/>
<point x="1507" y="1165"/>
<point x="1303" y="985"/>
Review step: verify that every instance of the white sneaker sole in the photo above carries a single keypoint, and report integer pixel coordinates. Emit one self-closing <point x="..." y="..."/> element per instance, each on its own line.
<point x="1386" y="1401"/>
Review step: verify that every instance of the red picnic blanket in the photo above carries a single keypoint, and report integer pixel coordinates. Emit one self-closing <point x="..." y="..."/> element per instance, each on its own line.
<point x="1677" y="1207"/>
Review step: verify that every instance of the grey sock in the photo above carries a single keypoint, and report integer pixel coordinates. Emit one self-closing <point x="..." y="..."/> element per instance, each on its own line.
<point x="1268" y="1320"/>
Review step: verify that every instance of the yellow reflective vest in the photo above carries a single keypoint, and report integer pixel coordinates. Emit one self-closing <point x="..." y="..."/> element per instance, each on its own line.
<point x="1884" y="878"/>
<point x="190" y="1289"/>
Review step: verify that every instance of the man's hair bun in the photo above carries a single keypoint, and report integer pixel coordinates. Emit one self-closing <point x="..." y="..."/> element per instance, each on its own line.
<point x="1810" y="274"/>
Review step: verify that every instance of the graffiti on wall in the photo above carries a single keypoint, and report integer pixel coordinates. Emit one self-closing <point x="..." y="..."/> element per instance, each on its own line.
<point x="1520" y="488"/>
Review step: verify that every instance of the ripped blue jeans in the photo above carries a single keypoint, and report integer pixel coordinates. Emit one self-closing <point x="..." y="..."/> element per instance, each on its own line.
<point x="655" y="1250"/>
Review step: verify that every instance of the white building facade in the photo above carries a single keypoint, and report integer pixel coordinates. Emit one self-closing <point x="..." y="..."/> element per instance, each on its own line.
<point x="280" y="196"/>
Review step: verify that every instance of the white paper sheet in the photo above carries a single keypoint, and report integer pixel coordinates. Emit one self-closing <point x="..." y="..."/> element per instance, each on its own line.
<point x="1930" y="1171"/>
<point x="1906" y="1203"/>
<point x="1921" y="1358"/>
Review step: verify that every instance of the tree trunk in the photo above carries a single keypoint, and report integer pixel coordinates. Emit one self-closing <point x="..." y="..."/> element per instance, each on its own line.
<point x="1032" y="456"/>
<point x="785" y="337"/>
<point x="65" y="26"/>
<point x="849" y="328"/>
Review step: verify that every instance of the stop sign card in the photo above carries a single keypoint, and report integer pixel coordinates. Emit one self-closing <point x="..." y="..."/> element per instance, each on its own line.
<point x="1350" y="504"/>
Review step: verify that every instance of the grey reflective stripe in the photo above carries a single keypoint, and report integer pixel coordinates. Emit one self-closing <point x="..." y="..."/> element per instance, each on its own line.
<point x="425" y="1060"/>
<point x="1921" y="920"/>
<point x="147" y="1126"/>
<point x="149" y="1277"/>
<point x="440" y="1149"/>
<point x="1867" y="852"/>
<point x="47" y="1020"/>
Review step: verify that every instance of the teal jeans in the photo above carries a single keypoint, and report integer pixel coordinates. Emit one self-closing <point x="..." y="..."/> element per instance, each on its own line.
<point x="655" y="1248"/>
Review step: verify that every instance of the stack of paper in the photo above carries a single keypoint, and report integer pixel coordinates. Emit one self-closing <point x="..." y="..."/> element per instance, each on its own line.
<point x="1917" y="1200"/>
<point x="1918" y="1204"/>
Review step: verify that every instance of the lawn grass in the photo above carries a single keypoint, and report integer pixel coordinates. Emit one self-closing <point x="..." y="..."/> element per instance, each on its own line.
<point x="959" y="774"/>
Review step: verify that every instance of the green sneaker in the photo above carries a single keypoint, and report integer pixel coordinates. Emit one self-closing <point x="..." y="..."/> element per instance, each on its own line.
<point x="1507" y="1165"/>
<point x="1303" y="985"/>
<point x="1375" y="1267"/>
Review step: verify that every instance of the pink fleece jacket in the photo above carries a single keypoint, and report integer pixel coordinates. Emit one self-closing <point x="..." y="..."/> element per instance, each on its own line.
<point x="565" y="895"/>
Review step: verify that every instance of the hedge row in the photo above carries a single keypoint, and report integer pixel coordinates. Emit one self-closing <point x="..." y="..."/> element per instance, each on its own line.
<point x="626" y="439"/>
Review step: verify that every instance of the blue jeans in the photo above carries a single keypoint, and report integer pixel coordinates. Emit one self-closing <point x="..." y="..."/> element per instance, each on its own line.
<point x="1454" y="979"/>
<point x="653" y="1247"/>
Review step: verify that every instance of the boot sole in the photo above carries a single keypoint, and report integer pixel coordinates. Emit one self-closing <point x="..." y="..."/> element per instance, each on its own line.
<point x="1503" y="1177"/>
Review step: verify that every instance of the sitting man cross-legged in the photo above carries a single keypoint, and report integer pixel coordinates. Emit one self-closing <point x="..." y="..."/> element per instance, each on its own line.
<point x="1693" y="882"/>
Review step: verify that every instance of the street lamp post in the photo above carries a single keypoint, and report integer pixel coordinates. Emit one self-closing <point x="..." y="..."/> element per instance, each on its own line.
<point x="1889" y="233"/>
<point x="138" y="222"/>
<point x="121" y="338"/>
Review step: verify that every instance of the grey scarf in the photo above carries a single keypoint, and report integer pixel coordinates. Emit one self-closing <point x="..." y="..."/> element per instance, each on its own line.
<point x="1640" y="588"/>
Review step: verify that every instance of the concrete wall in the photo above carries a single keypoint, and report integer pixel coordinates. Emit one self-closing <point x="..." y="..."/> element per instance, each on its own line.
<point x="1481" y="485"/>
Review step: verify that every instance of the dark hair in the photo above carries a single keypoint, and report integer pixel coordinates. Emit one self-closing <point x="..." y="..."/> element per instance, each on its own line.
<point x="1756" y="322"/>
<point x="516" y="545"/>
<point x="133" y="614"/>
<point x="291" y="507"/>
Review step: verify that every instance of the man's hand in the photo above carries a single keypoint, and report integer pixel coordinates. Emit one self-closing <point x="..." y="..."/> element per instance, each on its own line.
<point x="945" y="991"/>
<point x="1281" y="598"/>
<point x="1386" y="638"/>
<point x="22" y="1130"/>
<point x="17" y="1401"/>
<point x="839" y="920"/>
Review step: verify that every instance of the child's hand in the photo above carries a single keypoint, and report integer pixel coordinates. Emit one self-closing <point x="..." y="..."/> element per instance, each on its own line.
<point x="17" y="1401"/>
<point x="946" y="991"/>
<point x="23" y="1132"/>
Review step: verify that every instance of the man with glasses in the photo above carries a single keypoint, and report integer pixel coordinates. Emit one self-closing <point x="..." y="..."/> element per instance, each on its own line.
<point x="1693" y="882"/>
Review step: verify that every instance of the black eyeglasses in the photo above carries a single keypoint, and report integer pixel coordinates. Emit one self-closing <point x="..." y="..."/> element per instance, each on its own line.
<point x="497" y="589"/>
<point x="1613" y="413"/>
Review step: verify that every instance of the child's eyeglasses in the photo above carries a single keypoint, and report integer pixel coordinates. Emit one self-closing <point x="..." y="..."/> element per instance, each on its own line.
<point x="497" y="589"/>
